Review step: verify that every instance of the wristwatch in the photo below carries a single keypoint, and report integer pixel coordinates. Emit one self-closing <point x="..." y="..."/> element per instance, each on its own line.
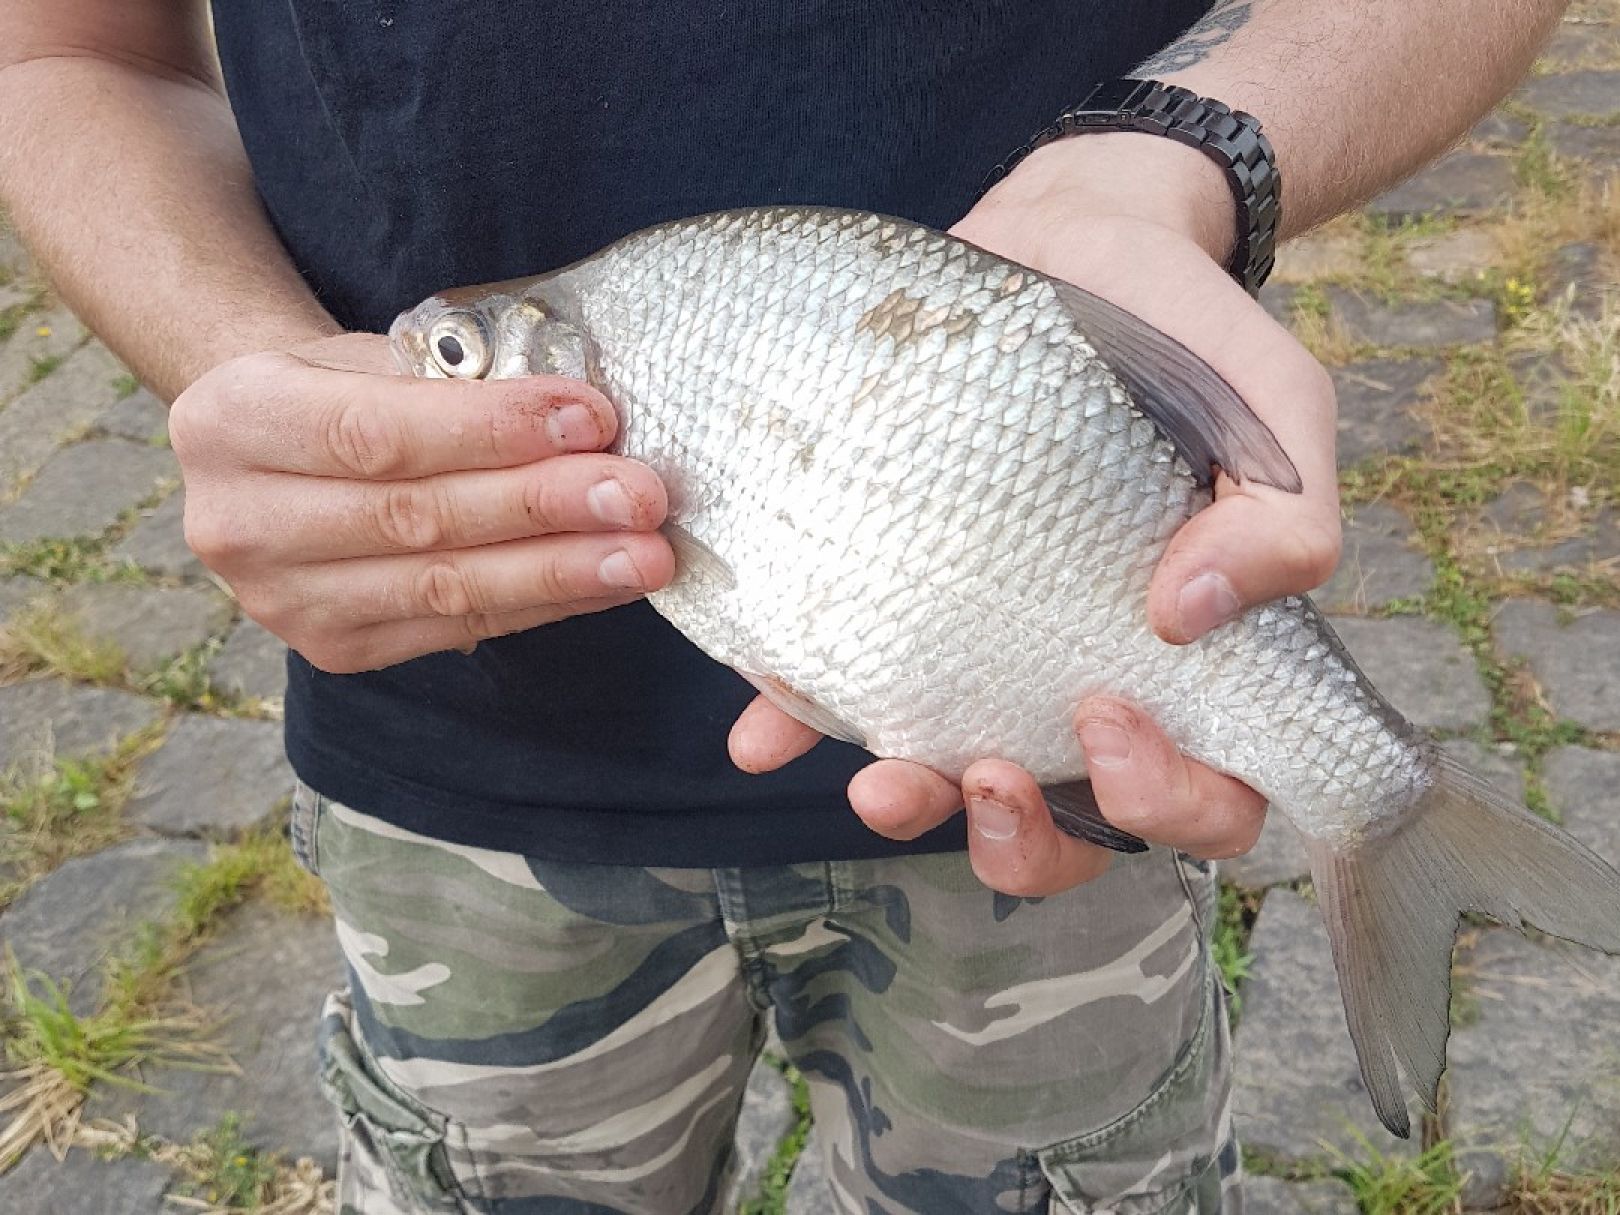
<point x="1231" y="138"/>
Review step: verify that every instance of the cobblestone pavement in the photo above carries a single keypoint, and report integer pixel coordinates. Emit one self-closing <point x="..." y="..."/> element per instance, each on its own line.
<point x="1480" y="588"/>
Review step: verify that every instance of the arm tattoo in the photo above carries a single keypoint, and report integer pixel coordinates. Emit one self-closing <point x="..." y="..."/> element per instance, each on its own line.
<point x="1216" y="28"/>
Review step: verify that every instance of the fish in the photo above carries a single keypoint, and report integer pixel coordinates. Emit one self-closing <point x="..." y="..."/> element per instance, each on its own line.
<point x="916" y="495"/>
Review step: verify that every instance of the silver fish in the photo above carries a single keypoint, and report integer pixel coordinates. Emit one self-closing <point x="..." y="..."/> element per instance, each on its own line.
<point x="917" y="493"/>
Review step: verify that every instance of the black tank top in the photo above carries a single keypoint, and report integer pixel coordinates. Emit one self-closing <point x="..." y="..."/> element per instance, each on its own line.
<point x="402" y="148"/>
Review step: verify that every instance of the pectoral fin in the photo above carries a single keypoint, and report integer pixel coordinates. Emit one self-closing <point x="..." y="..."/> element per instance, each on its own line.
<point x="1193" y="407"/>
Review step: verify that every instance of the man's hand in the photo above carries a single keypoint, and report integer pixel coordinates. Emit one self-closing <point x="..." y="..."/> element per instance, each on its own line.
<point x="1253" y="544"/>
<point x="367" y="517"/>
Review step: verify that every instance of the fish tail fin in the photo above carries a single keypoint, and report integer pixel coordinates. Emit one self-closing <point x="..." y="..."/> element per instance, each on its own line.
<point x="1392" y="904"/>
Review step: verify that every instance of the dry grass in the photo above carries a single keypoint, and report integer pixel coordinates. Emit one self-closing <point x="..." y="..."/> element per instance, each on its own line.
<point x="226" y="1180"/>
<point x="41" y="639"/>
<point x="57" y="1055"/>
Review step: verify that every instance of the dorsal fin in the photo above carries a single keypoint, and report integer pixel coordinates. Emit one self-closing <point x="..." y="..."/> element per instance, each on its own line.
<point x="1193" y="407"/>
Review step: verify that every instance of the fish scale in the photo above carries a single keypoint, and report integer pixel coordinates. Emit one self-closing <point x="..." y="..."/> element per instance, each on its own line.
<point x="918" y="493"/>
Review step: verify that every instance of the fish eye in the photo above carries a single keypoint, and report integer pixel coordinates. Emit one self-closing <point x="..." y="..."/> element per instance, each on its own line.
<point x="460" y="346"/>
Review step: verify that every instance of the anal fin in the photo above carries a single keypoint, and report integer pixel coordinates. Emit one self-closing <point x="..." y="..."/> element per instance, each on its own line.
<point x="801" y="708"/>
<point x="1074" y="810"/>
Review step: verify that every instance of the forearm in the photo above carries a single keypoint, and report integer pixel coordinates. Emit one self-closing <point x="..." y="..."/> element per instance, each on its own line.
<point x="1356" y="96"/>
<point x="1353" y="97"/>
<point x="130" y="185"/>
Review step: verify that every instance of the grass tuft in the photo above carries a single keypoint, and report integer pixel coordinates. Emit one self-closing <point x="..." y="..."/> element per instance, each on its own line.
<point x="1426" y="1184"/>
<point x="1235" y="915"/>
<point x="73" y="807"/>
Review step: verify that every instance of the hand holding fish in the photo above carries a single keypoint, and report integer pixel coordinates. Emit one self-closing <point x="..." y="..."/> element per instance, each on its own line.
<point x="1254" y="544"/>
<point x="367" y="518"/>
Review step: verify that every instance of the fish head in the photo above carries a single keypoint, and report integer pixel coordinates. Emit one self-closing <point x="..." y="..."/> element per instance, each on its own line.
<point x="495" y="331"/>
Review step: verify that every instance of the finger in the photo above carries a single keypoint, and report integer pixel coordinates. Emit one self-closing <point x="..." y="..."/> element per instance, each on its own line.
<point x="488" y="581"/>
<point x="1144" y="785"/>
<point x="1250" y="547"/>
<point x="764" y="738"/>
<point x="1012" y="842"/>
<point x="902" y="800"/>
<point x="333" y="519"/>
<point x="386" y="644"/>
<point x="283" y="414"/>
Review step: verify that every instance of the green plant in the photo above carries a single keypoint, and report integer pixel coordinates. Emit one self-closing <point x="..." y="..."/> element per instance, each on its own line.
<point x="228" y="1172"/>
<point x="1426" y="1184"/>
<point x="772" y="1196"/>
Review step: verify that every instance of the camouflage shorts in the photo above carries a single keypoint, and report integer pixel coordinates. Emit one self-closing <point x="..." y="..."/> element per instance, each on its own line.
<point x="529" y="1038"/>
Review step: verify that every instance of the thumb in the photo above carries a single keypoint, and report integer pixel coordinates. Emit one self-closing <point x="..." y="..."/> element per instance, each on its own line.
<point x="1253" y="545"/>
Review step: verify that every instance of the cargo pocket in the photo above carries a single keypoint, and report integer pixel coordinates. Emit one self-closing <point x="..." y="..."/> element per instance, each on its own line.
<point x="307" y="809"/>
<point x="393" y="1141"/>
<point x="1168" y="1156"/>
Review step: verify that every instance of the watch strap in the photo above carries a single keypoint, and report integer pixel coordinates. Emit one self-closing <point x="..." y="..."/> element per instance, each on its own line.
<point x="1231" y="138"/>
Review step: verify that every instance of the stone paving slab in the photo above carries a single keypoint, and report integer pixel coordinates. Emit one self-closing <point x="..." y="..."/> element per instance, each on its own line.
<point x="1277" y="858"/>
<point x="1455" y="257"/>
<point x="1584" y="788"/>
<point x="19" y="592"/>
<point x="158" y="542"/>
<point x="1575" y="277"/>
<point x="252" y="664"/>
<point x="45" y="717"/>
<point x="1461" y="184"/>
<point x="1538" y="1061"/>
<point x="1297" y="1084"/>
<point x="1421" y="324"/>
<point x="1598" y="541"/>
<point x="766" y="1118"/>
<point x="140" y="418"/>
<point x="268" y="973"/>
<point x="1382" y="561"/>
<point x="64" y="403"/>
<point x="150" y="624"/>
<point x="1421" y="668"/>
<point x="83" y="1184"/>
<point x="1500" y="130"/>
<point x="1577" y="664"/>
<point x="1316" y="256"/>
<point x="1273" y="1196"/>
<point x="70" y="922"/>
<point x="1596" y="149"/>
<point x="1571" y="94"/>
<point x="52" y="333"/>
<point x="213" y="776"/>
<point x="808" y="1192"/>
<point x="83" y="489"/>
<point x="1375" y="401"/>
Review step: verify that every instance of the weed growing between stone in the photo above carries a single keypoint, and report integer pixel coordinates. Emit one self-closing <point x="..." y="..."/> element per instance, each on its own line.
<point x="221" y="1174"/>
<point x="67" y="561"/>
<point x="56" y="1055"/>
<point x="71" y="808"/>
<point x="1427" y="1184"/>
<point x="41" y="639"/>
<point x="1235" y="915"/>
<point x="773" y="1186"/>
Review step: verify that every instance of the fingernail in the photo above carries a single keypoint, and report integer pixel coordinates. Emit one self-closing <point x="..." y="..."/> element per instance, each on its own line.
<point x="573" y="427"/>
<point x="1205" y="603"/>
<point x="618" y="570"/>
<point x="991" y="819"/>
<point x="1106" y="746"/>
<point x="610" y="503"/>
